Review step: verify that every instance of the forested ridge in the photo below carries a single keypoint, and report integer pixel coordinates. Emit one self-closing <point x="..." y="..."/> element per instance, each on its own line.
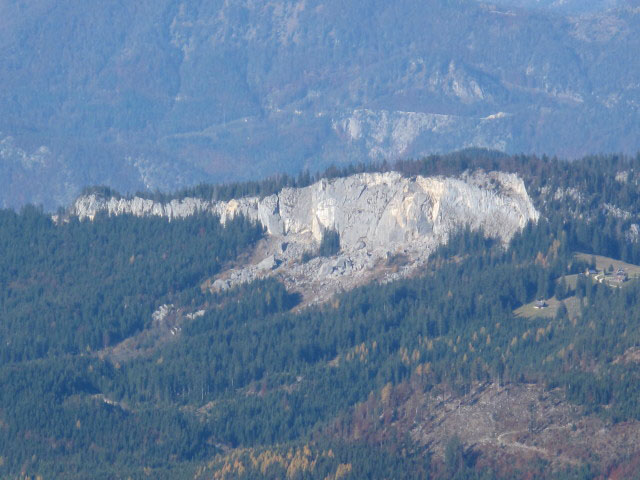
<point x="255" y="387"/>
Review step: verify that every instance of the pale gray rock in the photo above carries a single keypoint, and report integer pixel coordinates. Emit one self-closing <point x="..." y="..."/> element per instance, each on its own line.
<point x="325" y="270"/>
<point x="268" y="263"/>
<point x="613" y="211"/>
<point x="220" y="285"/>
<point x="377" y="215"/>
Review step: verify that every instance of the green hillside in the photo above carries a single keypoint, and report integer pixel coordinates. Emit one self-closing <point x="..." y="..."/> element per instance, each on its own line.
<point x="253" y="387"/>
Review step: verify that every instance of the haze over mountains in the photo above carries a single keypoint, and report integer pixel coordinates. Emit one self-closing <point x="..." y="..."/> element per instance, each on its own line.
<point x="571" y="7"/>
<point x="162" y="94"/>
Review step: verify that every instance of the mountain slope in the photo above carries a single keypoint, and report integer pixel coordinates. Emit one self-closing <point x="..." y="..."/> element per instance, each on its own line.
<point x="120" y="360"/>
<point x="374" y="216"/>
<point x="163" y="94"/>
<point x="575" y="7"/>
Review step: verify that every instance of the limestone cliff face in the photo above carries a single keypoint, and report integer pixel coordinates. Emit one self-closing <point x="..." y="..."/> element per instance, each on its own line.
<point x="377" y="209"/>
<point x="376" y="215"/>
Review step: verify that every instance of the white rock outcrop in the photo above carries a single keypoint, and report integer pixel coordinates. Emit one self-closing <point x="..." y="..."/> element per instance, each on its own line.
<point x="377" y="215"/>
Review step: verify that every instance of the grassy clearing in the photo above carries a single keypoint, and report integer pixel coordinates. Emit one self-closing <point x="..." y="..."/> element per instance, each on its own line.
<point x="572" y="281"/>
<point x="603" y="263"/>
<point x="530" y="311"/>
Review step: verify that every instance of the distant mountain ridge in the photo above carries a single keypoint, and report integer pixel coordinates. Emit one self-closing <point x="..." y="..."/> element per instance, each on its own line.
<point x="166" y="94"/>
<point x="566" y="6"/>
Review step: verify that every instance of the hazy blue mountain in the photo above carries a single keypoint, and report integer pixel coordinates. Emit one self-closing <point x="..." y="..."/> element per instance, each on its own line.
<point x="162" y="93"/>
<point x="565" y="6"/>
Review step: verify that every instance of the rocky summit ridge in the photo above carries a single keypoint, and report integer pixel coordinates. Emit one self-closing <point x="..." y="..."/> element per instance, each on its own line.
<point x="388" y="224"/>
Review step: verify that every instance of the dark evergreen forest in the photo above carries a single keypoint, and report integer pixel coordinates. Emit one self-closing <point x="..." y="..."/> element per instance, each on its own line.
<point x="257" y="377"/>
